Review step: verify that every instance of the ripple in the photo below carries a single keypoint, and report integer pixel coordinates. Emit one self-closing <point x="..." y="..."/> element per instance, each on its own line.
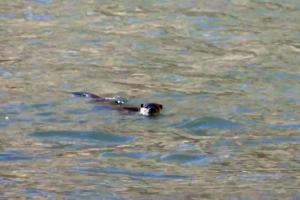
<point x="287" y="127"/>
<point x="134" y="155"/>
<point x="5" y="181"/>
<point x="173" y="78"/>
<point x="44" y="2"/>
<point x="184" y="158"/>
<point x="201" y="125"/>
<point x="3" y="121"/>
<point x="37" y="17"/>
<point x="11" y="156"/>
<point x="22" y="113"/>
<point x="206" y="23"/>
<point x="155" y="33"/>
<point x="93" y="194"/>
<point x="5" y="73"/>
<point x="187" y="159"/>
<point x="35" y="193"/>
<point x="8" y="16"/>
<point x="256" y="177"/>
<point x="93" y="137"/>
<point x="253" y="176"/>
<point x="278" y="140"/>
<point x="132" y="174"/>
<point x="15" y="108"/>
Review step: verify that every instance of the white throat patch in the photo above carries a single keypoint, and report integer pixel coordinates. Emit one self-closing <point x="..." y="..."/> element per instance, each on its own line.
<point x="144" y="111"/>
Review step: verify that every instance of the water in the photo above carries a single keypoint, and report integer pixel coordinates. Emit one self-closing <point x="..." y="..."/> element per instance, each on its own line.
<point x="227" y="73"/>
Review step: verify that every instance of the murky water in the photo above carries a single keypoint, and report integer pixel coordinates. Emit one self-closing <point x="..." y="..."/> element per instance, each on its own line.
<point x="227" y="73"/>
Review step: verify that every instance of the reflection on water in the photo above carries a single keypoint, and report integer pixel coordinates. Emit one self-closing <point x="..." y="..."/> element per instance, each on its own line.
<point x="10" y="156"/>
<point x="82" y="138"/>
<point x="201" y="125"/>
<point x="136" y="174"/>
<point x="227" y="73"/>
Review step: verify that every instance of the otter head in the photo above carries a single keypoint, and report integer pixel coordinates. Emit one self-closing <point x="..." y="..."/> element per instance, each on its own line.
<point x="151" y="109"/>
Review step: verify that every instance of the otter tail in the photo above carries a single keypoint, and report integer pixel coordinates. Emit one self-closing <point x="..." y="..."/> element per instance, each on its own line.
<point x="86" y="95"/>
<point x="96" y="98"/>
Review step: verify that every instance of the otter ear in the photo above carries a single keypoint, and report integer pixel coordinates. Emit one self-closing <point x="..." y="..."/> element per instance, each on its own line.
<point x="142" y="105"/>
<point x="161" y="107"/>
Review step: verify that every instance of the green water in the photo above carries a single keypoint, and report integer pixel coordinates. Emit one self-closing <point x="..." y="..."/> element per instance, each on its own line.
<point x="226" y="71"/>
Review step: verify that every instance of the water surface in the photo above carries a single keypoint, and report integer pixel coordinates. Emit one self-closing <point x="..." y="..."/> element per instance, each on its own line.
<point x="227" y="73"/>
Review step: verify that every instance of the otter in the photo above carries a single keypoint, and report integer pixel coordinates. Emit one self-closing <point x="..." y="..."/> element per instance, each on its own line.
<point x="146" y="109"/>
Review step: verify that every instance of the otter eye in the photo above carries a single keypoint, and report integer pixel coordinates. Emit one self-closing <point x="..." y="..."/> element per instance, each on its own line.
<point x="142" y="105"/>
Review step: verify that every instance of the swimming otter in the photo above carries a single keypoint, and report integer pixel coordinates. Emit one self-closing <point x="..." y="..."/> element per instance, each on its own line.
<point x="147" y="109"/>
